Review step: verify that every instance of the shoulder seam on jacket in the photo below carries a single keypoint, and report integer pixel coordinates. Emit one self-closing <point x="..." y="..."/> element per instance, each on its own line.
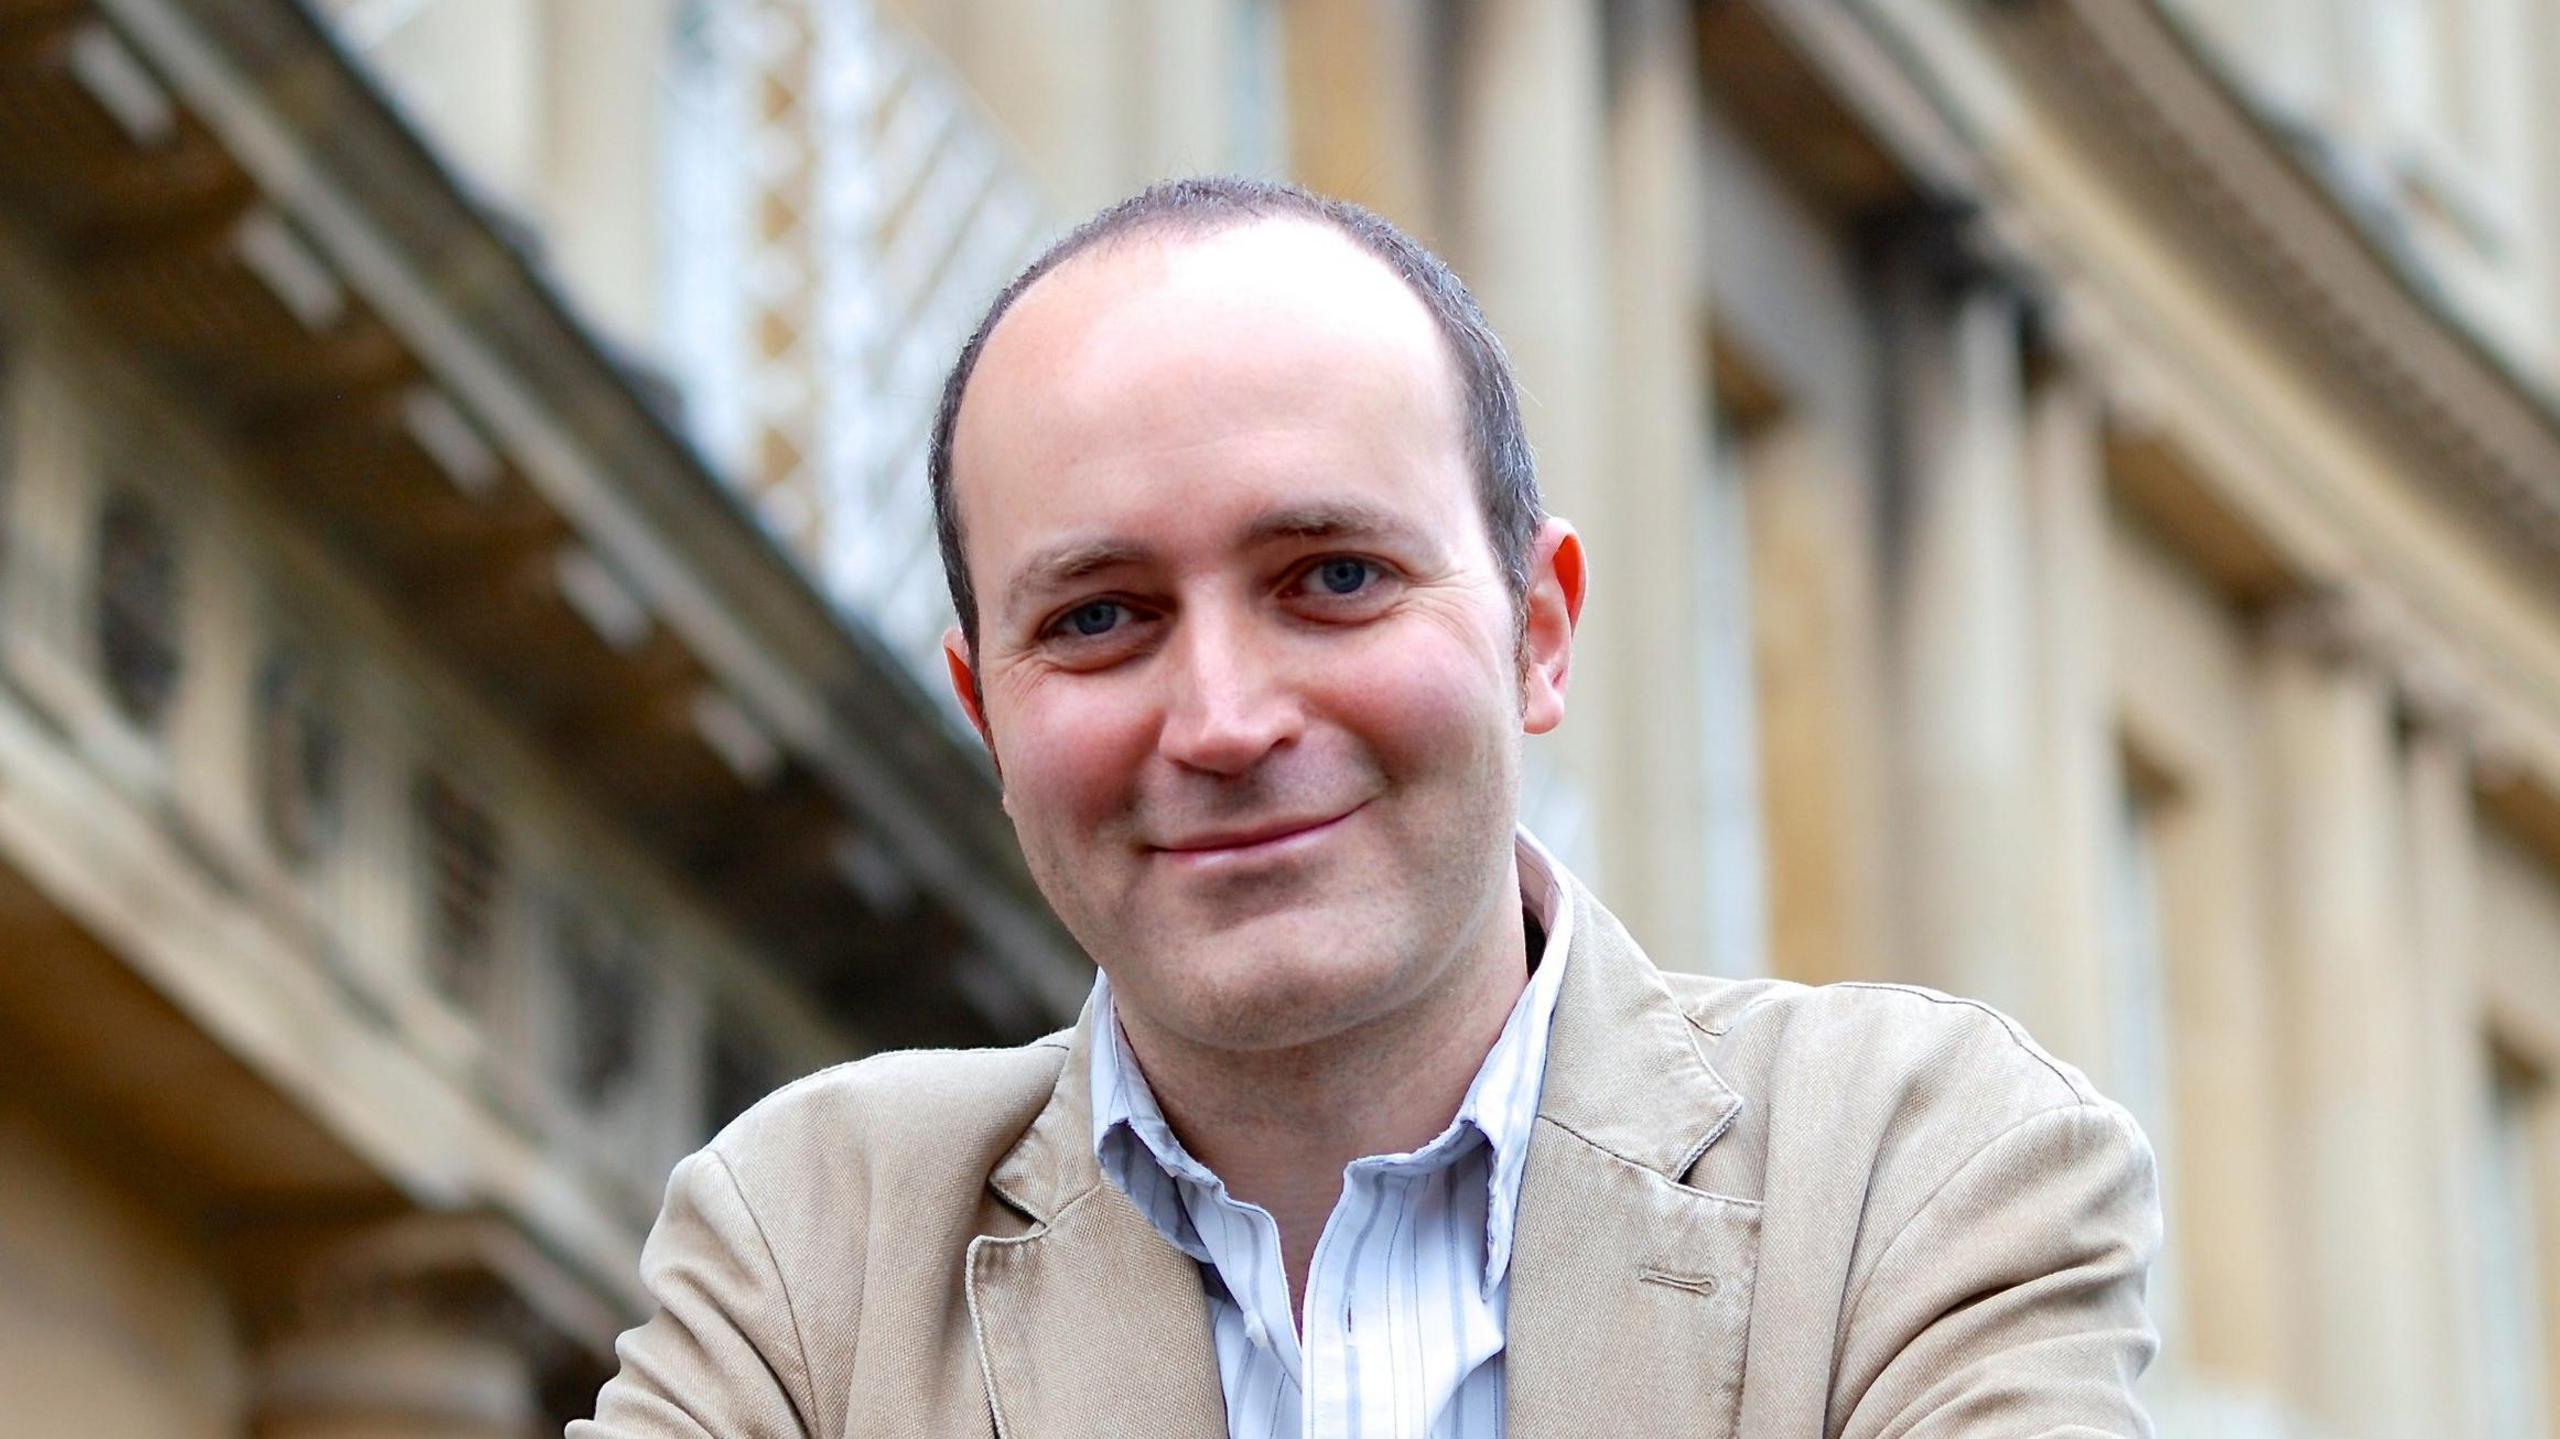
<point x="782" y="1282"/>
<point x="2017" y="1033"/>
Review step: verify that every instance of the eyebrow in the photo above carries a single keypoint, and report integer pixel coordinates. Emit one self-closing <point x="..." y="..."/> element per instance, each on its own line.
<point x="1065" y="563"/>
<point x="1068" y="561"/>
<point x="1330" y="520"/>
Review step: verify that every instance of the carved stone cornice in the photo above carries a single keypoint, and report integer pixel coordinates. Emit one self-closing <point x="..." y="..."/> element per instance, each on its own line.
<point x="2431" y="685"/>
<point x="2337" y="627"/>
<point x="470" y="1270"/>
<point x="2257" y="212"/>
<point x="453" y="1321"/>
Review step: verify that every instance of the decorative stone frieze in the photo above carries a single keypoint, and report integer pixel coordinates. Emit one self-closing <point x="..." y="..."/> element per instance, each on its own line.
<point x="2260" y="212"/>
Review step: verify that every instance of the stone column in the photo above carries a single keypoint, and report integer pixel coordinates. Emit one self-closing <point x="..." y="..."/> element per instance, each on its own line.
<point x="2440" y="965"/>
<point x="1964" y="645"/>
<point x="607" y="106"/>
<point x="1824" y="736"/>
<point x="1053" y="74"/>
<point x="1358" y="113"/>
<point x="1529" y="236"/>
<point x="412" y="1327"/>
<point x="2082" y="780"/>
<point x="2228" y="1188"/>
<point x="1189" y="86"/>
<point x="1647" y="506"/>
<point x="2355" y="1203"/>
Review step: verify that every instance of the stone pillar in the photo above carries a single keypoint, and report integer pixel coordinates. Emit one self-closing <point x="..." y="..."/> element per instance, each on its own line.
<point x="1964" y="645"/>
<point x="1529" y="236"/>
<point x="473" y="72"/>
<point x="2082" y="780"/>
<point x="1191" y="79"/>
<point x="1823" y="733"/>
<point x="1648" y="508"/>
<point x="2440" y="965"/>
<point x="1358" y="112"/>
<point x="607" y="104"/>
<point x="2228" y="1188"/>
<point x="2356" y="1202"/>
<point x="1053" y="74"/>
<point x="412" y="1327"/>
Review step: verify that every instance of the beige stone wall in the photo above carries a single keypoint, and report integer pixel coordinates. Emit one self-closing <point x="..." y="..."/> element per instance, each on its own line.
<point x="202" y="1031"/>
<point x="112" y="1323"/>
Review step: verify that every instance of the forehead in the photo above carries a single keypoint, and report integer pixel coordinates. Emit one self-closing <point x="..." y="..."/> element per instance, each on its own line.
<point x="1275" y="351"/>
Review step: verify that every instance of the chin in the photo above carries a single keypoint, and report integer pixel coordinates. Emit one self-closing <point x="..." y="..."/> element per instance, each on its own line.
<point x="1281" y="986"/>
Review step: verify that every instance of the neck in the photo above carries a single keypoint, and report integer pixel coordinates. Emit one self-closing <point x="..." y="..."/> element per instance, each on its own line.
<point x="1278" y="1126"/>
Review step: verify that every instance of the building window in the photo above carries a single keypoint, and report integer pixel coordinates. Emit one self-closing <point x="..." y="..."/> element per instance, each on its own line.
<point x="602" y="986"/>
<point x="2454" y="99"/>
<point x="297" y="757"/>
<point x="136" y="607"/>
<point x="461" y="872"/>
<point x="2514" y="1367"/>
<point x="2442" y="67"/>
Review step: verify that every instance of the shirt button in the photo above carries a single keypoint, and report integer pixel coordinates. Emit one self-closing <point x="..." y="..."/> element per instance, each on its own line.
<point x="1256" y="1332"/>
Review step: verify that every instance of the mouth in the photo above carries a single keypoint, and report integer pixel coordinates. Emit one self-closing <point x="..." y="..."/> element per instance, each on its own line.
<point x="1226" y="848"/>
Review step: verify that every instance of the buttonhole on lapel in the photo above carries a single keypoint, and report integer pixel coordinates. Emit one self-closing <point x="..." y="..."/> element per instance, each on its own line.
<point x="1691" y="1283"/>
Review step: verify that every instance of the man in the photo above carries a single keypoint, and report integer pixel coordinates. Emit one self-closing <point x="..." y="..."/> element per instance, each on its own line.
<point x="1377" y="1122"/>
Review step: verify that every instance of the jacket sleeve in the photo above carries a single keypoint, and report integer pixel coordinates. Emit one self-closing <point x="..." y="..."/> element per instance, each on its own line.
<point x="2011" y="1302"/>
<point x="722" y="1354"/>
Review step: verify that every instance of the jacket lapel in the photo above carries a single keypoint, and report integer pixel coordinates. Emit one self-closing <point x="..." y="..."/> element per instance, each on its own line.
<point x="1090" y="1323"/>
<point x="1625" y="1283"/>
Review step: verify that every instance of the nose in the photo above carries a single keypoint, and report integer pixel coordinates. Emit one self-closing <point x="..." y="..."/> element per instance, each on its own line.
<point x="1227" y="705"/>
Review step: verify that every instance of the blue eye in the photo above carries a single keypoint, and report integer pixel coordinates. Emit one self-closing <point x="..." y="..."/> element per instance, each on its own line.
<point x="1344" y="575"/>
<point x="1093" y="620"/>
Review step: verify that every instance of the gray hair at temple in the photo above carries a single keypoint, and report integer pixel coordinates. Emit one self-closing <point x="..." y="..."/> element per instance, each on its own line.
<point x="1506" y="473"/>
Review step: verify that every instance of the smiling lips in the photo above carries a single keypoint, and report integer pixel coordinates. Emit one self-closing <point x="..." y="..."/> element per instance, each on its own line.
<point x="1271" y="840"/>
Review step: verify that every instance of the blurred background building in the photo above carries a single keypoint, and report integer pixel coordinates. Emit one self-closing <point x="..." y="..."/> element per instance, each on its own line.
<point x="2074" y="488"/>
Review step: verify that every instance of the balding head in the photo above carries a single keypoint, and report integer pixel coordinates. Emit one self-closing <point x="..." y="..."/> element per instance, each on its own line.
<point x="1171" y="216"/>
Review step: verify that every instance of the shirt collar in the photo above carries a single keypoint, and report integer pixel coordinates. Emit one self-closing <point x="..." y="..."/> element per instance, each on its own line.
<point x="1501" y="1103"/>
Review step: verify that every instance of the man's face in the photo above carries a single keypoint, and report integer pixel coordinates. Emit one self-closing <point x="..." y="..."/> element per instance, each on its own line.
<point x="1248" y="669"/>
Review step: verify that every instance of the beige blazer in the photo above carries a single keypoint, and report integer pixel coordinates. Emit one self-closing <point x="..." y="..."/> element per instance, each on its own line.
<point x="1750" y="1208"/>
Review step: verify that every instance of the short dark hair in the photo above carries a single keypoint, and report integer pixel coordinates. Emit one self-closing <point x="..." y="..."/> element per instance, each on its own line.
<point x="1506" y="473"/>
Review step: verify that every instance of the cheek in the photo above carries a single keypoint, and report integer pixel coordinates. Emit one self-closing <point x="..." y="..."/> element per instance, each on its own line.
<point x="1430" y="695"/>
<point x="1070" y="752"/>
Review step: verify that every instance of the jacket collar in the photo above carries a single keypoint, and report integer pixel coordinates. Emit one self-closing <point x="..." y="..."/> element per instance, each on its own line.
<point x="1624" y="1070"/>
<point x="1629" y="1289"/>
<point x="1053" y="1164"/>
<point x="1624" y="1281"/>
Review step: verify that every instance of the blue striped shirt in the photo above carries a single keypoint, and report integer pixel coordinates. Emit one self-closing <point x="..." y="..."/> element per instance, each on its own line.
<point x="1405" y="1301"/>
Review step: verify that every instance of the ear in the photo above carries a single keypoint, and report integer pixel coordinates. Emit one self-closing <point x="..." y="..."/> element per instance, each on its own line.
<point x="1550" y="611"/>
<point x="964" y="687"/>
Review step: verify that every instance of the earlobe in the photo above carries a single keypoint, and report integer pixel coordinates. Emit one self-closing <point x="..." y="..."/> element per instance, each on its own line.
<point x="1558" y="577"/>
<point x="956" y="660"/>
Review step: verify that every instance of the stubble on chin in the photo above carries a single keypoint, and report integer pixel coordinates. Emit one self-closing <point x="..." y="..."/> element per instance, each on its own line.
<point x="1306" y="957"/>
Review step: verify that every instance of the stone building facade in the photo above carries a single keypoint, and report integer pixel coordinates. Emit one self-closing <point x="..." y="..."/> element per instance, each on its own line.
<point x="2073" y="487"/>
<point x="2074" y="491"/>
<point x="429" y="803"/>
